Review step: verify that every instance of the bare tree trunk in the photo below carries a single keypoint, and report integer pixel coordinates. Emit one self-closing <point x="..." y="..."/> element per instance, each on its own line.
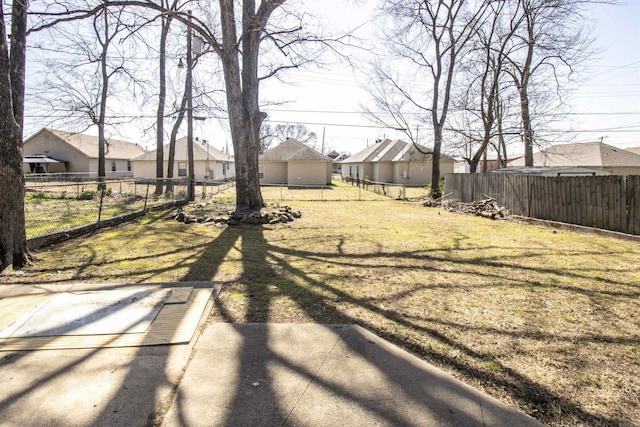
<point x="502" y="145"/>
<point x="18" y="61"/>
<point x="103" y="97"/>
<point x="172" y="142"/>
<point x="189" y="90"/>
<point x="527" y="130"/>
<point x="521" y="76"/>
<point x="14" y="252"/>
<point x="435" y="171"/>
<point x="13" y="242"/>
<point x="162" y="96"/>
<point x="245" y="116"/>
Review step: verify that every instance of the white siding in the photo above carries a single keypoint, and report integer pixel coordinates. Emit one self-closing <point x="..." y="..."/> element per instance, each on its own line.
<point x="273" y="172"/>
<point x="308" y="173"/>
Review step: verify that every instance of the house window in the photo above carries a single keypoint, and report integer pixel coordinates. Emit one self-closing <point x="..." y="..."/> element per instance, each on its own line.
<point x="261" y="175"/>
<point x="113" y="165"/>
<point x="128" y="165"/>
<point x="350" y="171"/>
<point x="182" y="168"/>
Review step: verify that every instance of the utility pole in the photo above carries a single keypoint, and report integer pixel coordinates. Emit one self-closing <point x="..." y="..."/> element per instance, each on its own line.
<point x="189" y="84"/>
<point x="208" y="174"/>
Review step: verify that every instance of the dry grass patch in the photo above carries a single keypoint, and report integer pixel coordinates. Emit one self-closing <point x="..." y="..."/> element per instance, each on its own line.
<point x="545" y="320"/>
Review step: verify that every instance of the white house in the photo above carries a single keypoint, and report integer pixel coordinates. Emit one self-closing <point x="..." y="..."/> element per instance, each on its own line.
<point x="209" y="162"/>
<point x="294" y="163"/>
<point x="592" y="155"/>
<point x="57" y="151"/>
<point x="397" y="162"/>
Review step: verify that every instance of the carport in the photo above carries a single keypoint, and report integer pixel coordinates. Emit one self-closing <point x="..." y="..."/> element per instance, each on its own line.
<point x="40" y="163"/>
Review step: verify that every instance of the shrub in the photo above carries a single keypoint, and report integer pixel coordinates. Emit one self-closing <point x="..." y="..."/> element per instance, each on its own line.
<point x="86" y="195"/>
<point x="38" y="196"/>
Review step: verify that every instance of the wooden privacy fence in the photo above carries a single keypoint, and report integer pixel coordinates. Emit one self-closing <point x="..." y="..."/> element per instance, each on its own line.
<point x="606" y="202"/>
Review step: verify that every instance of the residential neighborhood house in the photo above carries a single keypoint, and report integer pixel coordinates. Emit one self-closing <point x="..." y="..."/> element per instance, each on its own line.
<point x="592" y="155"/>
<point x="397" y="162"/>
<point x="294" y="163"/>
<point x="76" y="154"/>
<point x="337" y="159"/>
<point x="209" y="162"/>
<point x="635" y="150"/>
<point x="462" y="165"/>
<point x="552" y="171"/>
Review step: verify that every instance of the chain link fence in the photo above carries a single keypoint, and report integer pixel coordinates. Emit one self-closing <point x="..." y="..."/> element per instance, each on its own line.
<point x="342" y="191"/>
<point x="57" y="207"/>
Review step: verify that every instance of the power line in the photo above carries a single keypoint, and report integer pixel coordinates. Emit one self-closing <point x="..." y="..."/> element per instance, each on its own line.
<point x="616" y="113"/>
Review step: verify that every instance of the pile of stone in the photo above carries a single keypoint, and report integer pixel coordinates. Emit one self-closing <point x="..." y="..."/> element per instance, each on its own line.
<point x="202" y="213"/>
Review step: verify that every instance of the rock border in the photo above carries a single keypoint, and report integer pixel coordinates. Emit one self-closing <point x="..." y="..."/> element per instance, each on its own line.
<point x="226" y="215"/>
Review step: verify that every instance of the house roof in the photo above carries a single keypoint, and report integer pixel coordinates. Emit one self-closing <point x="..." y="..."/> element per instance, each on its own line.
<point x="368" y="153"/>
<point x="199" y="152"/>
<point x="333" y="155"/>
<point x="417" y="153"/>
<point x="393" y="151"/>
<point x="554" y="170"/>
<point x="40" y="158"/>
<point x="88" y="144"/>
<point x="292" y="149"/>
<point x="635" y="150"/>
<point x="588" y="154"/>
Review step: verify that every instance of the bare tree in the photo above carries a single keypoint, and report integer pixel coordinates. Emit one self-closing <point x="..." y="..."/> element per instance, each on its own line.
<point x="485" y="70"/>
<point x="80" y="82"/>
<point x="14" y="252"/>
<point x="242" y="85"/>
<point x="429" y="38"/>
<point x="551" y="40"/>
<point x="165" y="25"/>
<point x="270" y="134"/>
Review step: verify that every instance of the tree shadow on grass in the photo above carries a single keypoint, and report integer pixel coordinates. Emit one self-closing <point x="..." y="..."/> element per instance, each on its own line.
<point x="254" y="399"/>
<point x="269" y="273"/>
